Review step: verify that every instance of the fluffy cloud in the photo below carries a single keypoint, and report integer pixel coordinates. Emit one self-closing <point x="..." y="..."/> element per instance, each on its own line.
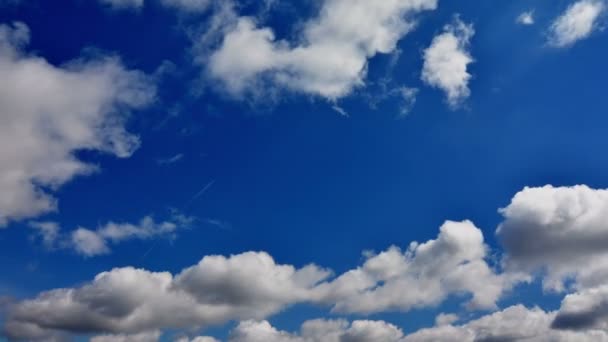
<point x="49" y="113"/>
<point x="446" y="61"/>
<point x="561" y="231"/>
<point x="423" y="275"/>
<point x="526" y="18"/>
<point x="252" y="286"/>
<point x="516" y="323"/>
<point x="96" y="242"/>
<point x="329" y="59"/>
<point x="129" y="300"/>
<point x="587" y="309"/>
<point x="318" y="331"/>
<point x="148" y="336"/>
<point x="576" y="23"/>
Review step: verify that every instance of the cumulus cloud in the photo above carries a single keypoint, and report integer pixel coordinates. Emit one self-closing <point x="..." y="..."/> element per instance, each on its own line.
<point x="148" y="336"/>
<point x="576" y="23"/>
<point x="130" y="301"/>
<point x="446" y="61"/>
<point x="526" y="18"/>
<point x="318" y="331"/>
<point x="516" y="323"/>
<point x="49" y="113"/>
<point x="423" y="275"/>
<point x="560" y="231"/>
<point x="251" y="286"/>
<point x="89" y="243"/>
<point x="587" y="309"/>
<point x="328" y="60"/>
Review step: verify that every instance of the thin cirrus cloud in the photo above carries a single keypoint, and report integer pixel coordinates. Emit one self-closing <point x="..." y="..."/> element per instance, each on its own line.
<point x="331" y="57"/>
<point x="578" y="22"/>
<point x="123" y="4"/>
<point x="446" y="61"/>
<point x="50" y="112"/>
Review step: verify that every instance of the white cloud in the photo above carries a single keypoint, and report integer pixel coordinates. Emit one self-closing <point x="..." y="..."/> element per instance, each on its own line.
<point x="445" y="319"/>
<point x="576" y="23"/>
<point x="148" y="336"/>
<point x="49" y="113"/>
<point x="421" y="276"/>
<point x="516" y="323"/>
<point x="587" y="309"/>
<point x="251" y="286"/>
<point x="129" y="300"/>
<point x="318" y="331"/>
<point x="89" y="243"/>
<point x="561" y="231"/>
<point x="329" y="59"/>
<point x="526" y="18"/>
<point x="124" y="4"/>
<point x="446" y="61"/>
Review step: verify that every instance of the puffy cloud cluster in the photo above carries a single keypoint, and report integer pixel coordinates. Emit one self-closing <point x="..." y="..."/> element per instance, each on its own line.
<point x="318" y="331"/>
<point x="576" y="23"/>
<point x="130" y="301"/>
<point x="558" y="233"/>
<point x="516" y="323"/>
<point x="446" y="61"/>
<point x="49" y="113"/>
<point x="252" y="286"/>
<point x="561" y="231"/>
<point x="421" y="276"/>
<point x="329" y="59"/>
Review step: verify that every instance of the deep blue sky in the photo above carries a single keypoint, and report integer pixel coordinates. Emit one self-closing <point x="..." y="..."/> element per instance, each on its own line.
<point x="300" y="181"/>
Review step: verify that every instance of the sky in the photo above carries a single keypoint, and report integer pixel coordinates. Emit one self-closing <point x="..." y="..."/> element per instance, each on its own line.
<point x="303" y="171"/>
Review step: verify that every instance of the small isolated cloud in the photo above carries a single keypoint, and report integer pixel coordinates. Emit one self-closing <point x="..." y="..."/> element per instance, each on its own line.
<point x="446" y="61"/>
<point x="526" y="18"/>
<point x="49" y="113"/>
<point x="576" y="23"/>
<point x="328" y="60"/>
<point x="124" y="4"/>
<point x="319" y="330"/>
<point x="89" y="243"/>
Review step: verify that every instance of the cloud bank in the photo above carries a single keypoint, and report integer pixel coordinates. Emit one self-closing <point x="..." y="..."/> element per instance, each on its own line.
<point x="50" y="113"/>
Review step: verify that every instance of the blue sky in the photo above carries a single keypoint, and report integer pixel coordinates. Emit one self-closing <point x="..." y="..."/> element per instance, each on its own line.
<point x="287" y="146"/>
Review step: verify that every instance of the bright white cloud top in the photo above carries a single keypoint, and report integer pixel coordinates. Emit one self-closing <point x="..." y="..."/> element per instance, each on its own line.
<point x="331" y="56"/>
<point x="49" y="113"/>
<point x="446" y="61"/>
<point x="576" y="23"/>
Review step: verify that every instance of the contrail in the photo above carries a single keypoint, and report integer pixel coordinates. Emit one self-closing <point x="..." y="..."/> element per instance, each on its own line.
<point x="194" y="198"/>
